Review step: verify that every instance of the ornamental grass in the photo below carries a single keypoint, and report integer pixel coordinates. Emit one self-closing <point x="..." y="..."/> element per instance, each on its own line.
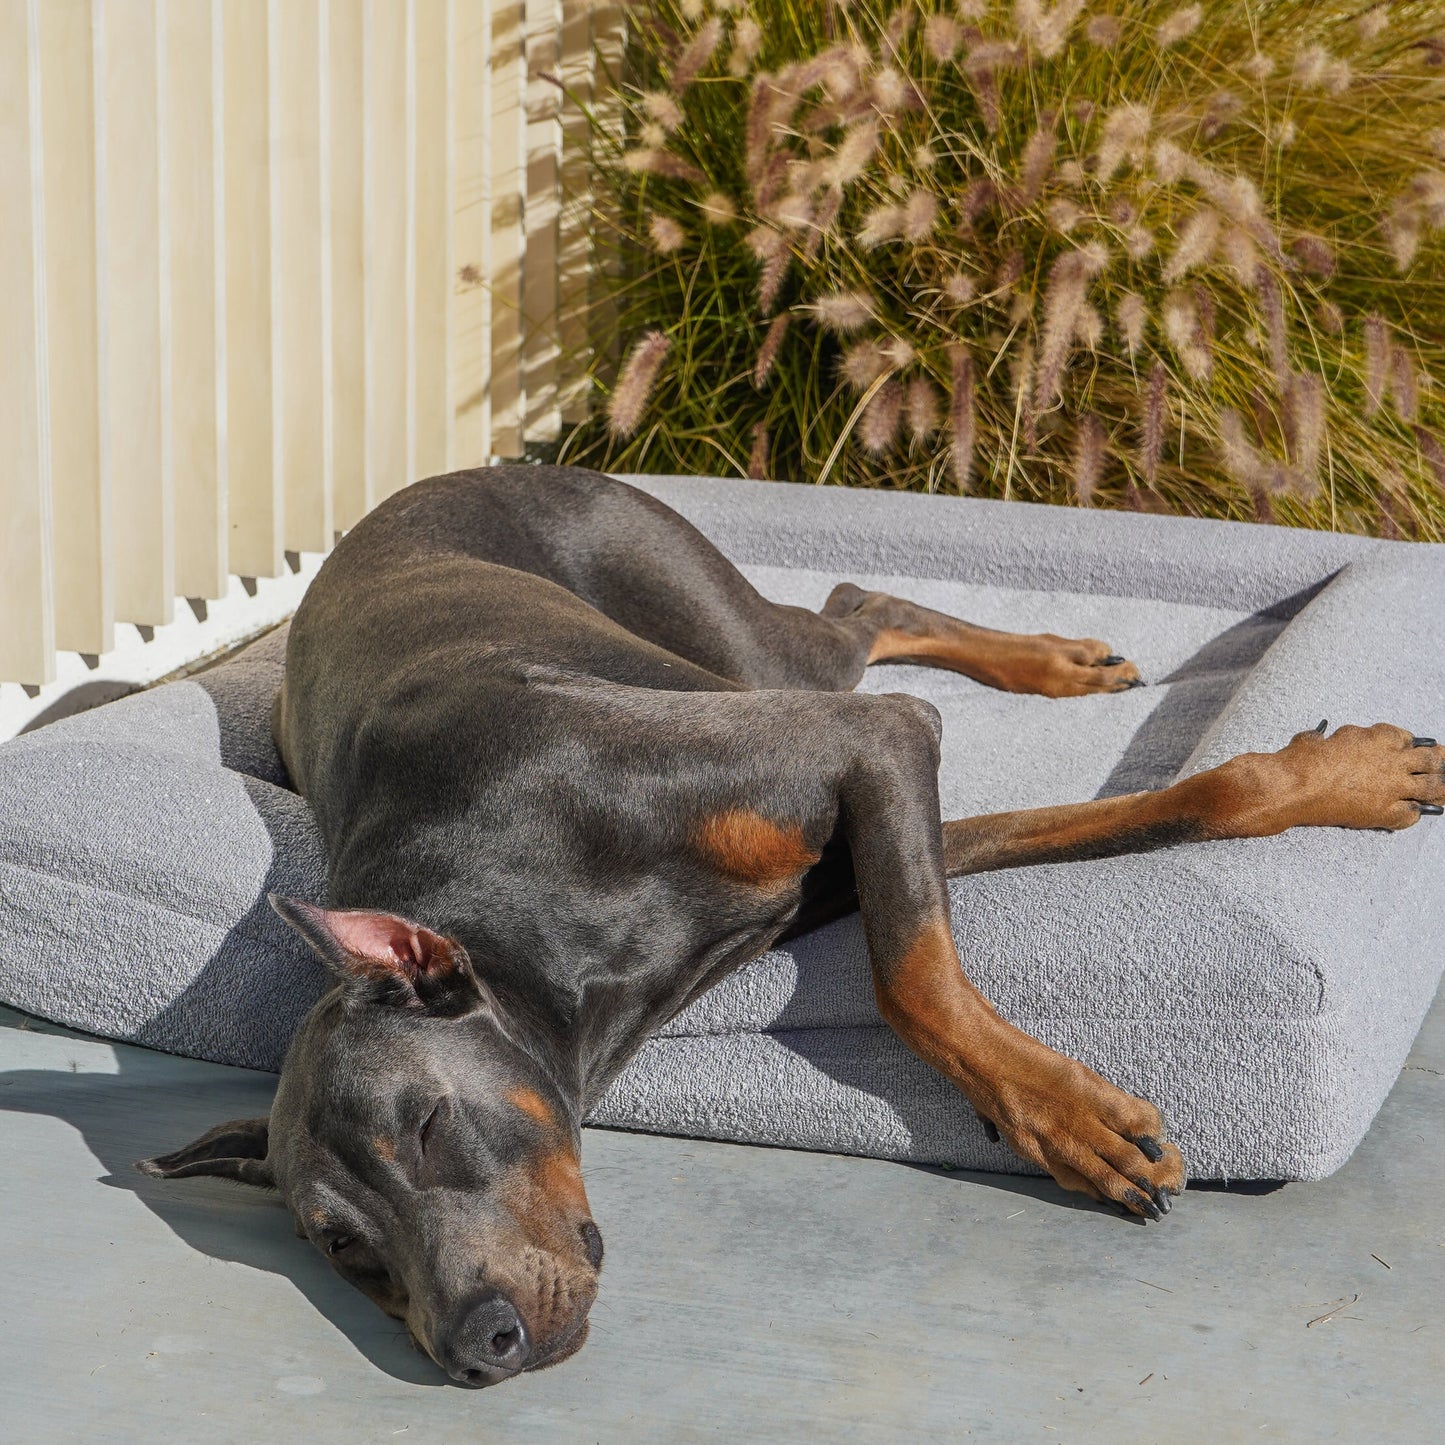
<point x="1125" y="255"/>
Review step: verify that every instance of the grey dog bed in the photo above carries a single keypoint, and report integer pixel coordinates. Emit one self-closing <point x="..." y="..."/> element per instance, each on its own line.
<point x="1263" y="993"/>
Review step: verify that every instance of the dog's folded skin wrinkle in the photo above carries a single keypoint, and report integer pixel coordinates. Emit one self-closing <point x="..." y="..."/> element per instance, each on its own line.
<point x="571" y="770"/>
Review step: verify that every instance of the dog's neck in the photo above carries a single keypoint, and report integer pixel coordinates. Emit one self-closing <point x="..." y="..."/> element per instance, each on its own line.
<point x="583" y="977"/>
<point x="582" y="1017"/>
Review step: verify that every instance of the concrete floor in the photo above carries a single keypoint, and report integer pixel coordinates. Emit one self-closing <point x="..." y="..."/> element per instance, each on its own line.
<point x="748" y="1294"/>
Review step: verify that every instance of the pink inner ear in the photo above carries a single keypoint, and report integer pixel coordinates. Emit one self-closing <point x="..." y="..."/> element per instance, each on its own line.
<point x="386" y="939"/>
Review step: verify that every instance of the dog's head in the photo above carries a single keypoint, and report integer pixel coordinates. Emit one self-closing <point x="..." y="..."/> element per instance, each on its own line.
<point x="423" y="1152"/>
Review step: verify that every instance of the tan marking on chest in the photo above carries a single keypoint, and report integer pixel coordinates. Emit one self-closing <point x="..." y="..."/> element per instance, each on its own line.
<point x="533" y="1105"/>
<point x="753" y="849"/>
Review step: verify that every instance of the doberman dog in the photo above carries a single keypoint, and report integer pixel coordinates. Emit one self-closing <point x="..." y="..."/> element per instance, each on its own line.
<point x="572" y="769"/>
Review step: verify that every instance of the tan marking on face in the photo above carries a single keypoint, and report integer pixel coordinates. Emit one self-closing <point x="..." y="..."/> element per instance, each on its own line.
<point x="317" y="1215"/>
<point x="384" y="1148"/>
<point x="533" y="1105"/>
<point x="754" y="849"/>
<point x="558" y="1176"/>
<point x="548" y="1199"/>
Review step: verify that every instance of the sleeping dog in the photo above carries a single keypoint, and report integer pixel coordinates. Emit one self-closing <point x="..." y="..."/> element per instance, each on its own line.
<point x="571" y="770"/>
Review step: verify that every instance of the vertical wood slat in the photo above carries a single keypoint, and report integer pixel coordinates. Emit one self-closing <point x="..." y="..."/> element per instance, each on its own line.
<point x="431" y="239"/>
<point x="609" y="38"/>
<point x="385" y="212"/>
<point x="254" y="487"/>
<point x="84" y="593"/>
<point x="470" y="344"/>
<point x="543" y="139"/>
<point x="193" y="182"/>
<point x="574" y="216"/>
<point x="300" y="342"/>
<point x="27" y="610"/>
<point x="346" y="77"/>
<point x="133" y="274"/>
<point x="508" y="176"/>
<point x="574" y="211"/>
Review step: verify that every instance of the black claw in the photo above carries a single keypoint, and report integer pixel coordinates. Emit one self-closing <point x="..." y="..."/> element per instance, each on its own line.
<point x="1431" y="809"/>
<point x="1135" y="682"/>
<point x="1156" y="1193"/>
<point x="1324" y="723"/>
<point x="1148" y="1147"/>
<point x="1422" y="742"/>
<point x="1144" y="1204"/>
<point x="1113" y="660"/>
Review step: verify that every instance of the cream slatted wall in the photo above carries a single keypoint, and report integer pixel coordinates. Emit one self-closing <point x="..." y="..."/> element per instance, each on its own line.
<point x="345" y="82"/>
<point x="133" y="246"/>
<point x="429" y="244"/>
<point x="506" y="179"/>
<point x="27" y="552"/>
<point x="276" y="259"/>
<point x="83" y="570"/>
<point x="301" y="343"/>
<point x="196" y="217"/>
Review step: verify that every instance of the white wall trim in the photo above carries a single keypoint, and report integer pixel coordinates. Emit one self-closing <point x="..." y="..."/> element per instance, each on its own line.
<point x="146" y="655"/>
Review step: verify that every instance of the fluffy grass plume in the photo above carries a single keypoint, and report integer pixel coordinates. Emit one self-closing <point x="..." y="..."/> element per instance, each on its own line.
<point x="1180" y="258"/>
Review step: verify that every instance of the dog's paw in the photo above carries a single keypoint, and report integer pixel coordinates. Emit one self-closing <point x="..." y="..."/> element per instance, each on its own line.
<point x="1052" y="666"/>
<point x="1092" y="1137"/>
<point x="1356" y="777"/>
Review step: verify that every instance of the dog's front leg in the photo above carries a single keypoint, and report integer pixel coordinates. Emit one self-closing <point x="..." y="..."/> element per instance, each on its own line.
<point x="1379" y="777"/>
<point x="1090" y="1135"/>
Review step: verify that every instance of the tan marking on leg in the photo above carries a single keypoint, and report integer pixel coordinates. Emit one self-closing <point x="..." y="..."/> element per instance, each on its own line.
<point x="753" y="849"/>
<point x="533" y="1105"/>
<point x="1051" y="1109"/>
<point x="893" y="643"/>
<point x="1041" y="664"/>
<point x="1357" y="777"/>
<point x="1102" y="828"/>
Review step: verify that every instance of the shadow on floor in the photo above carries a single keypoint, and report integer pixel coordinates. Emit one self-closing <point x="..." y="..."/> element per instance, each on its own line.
<point x="150" y="1105"/>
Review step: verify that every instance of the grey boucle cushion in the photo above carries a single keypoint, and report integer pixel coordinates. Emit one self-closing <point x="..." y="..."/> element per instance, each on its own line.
<point x="1263" y="992"/>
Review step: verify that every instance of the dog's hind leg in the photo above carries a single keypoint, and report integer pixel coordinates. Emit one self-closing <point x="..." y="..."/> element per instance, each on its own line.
<point x="651" y="571"/>
<point x="894" y="630"/>
<point x="1376" y="777"/>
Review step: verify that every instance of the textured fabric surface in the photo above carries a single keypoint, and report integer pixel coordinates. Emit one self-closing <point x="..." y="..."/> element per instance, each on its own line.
<point x="1264" y="993"/>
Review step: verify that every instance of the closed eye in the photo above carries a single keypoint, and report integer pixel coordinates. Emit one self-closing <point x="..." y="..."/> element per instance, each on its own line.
<point x="427" y="1127"/>
<point x="338" y="1242"/>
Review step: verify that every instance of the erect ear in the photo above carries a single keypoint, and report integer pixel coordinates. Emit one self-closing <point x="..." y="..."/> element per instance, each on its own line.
<point x="384" y="958"/>
<point x="230" y="1151"/>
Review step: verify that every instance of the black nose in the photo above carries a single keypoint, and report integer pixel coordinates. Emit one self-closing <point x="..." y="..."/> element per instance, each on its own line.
<point x="490" y="1343"/>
